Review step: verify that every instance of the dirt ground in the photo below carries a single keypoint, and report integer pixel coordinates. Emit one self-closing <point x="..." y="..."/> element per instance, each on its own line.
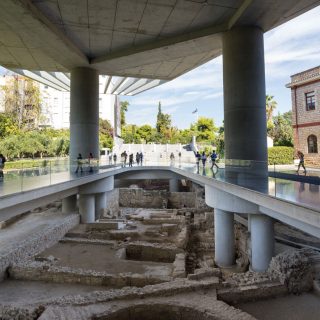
<point x="303" y="307"/>
<point x="23" y="292"/>
<point x="103" y="258"/>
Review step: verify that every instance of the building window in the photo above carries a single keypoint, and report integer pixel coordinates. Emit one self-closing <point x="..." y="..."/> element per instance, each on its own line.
<point x="310" y="101"/>
<point x="312" y="144"/>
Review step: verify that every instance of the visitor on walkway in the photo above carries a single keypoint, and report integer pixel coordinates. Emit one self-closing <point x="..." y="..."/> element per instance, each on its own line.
<point x="90" y="158"/>
<point x="114" y="158"/>
<point x="203" y="159"/>
<point x="79" y="163"/>
<point x="138" y="158"/>
<point x="130" y="159"/>
<point x="141" y="158"/>
<point x="110" y="158"/>
<point x="125" y="158"/>
<point x="214" y="157"/>
<point x="301" y="162"/>
<point x="198" y="157"/>
<point x="2" y="162"/>
<point x="171" y="159"/>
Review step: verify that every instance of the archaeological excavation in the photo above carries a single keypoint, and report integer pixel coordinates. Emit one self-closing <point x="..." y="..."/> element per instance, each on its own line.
<point x="149" y="255"/>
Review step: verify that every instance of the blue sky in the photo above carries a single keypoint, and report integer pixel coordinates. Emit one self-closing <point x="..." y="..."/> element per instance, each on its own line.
<point x="289" y="49"/>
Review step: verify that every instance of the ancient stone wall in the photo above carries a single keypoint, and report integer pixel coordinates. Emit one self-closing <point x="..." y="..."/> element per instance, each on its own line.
<point x="36" y="243"/>
<point x="113" y="202"/>
<point x="139" y="198"/>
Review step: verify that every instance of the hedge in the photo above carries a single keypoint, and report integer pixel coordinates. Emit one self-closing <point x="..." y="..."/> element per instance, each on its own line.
<point x="280" y="155"/>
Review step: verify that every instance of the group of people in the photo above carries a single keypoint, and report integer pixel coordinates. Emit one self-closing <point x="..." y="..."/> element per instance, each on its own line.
<point x="203" y="159"/>
<point x="80" y="162"/>
<point x="124" y="157"/>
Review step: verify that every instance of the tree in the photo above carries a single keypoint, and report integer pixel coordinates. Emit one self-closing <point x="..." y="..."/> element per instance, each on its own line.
<point x="163" y="126"/>
<point x="205" y="130"/>
<point x="7" y="126"/>
<point x="123" y="109"/>
<point x="271" y="105"/>
<point x="105" y="134"/>
<point x="281" y="131"/>
<point x="145" y="133"/>
<point x="22" y="101"/>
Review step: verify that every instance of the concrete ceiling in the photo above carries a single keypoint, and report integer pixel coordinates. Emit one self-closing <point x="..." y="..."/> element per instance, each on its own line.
<point x="155" y="39"/>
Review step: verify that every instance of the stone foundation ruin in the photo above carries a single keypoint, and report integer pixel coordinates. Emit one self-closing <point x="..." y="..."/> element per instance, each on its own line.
<point x="140" y="260"/>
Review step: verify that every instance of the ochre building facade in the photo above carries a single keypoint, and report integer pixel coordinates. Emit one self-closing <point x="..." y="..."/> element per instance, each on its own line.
<point x="305" y="96"/>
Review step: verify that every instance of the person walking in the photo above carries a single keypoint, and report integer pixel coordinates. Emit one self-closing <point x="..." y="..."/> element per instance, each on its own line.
<point x="125" y="155"/>
<point x="198" y="158"/>
<point x="130" y="159"/>
<point x="214" y="157"/>
<point x="110" y="158"/>
<point x="301" y="162"/>
<point x="114" y="158"/>
<point x="203" y="159"/>
<point x="141" y="158"/>
<point x="171" y="159"/>
<point x="138" y="158"/>
<point x="90" y="158"/>
<point x="79" y="163"/>
<point x="2" y="162"/>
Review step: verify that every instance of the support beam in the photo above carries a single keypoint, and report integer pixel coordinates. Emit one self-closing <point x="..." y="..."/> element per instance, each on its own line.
<point x="84" y="113"/>
<point x="174" y="185"/>
<point x="100" y="204"/>
<point x="224" y="238"/>
<point x="262" y="241"/>
<point x="86" y="208"/>
<point x="69" y="204"/>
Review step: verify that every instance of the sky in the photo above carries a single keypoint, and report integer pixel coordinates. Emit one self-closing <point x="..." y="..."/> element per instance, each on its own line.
<point x="289" y="49"/>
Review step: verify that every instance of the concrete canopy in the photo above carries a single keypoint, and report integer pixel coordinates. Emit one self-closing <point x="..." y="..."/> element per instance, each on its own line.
<point x="155" y="39"/>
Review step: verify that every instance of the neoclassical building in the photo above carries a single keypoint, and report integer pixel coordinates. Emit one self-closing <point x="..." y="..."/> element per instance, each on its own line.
<point x="305" y="96"/>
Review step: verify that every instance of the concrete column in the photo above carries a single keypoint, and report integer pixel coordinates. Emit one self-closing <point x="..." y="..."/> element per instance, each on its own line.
<point x="86" y="208"/>
<point x="262" y="241"/>
<point x="100" y="204"/>
<point x="224" y="238"/>
<point x="69" y="204"/>
<point x="245" y="107"/>
<point x="174" y="185"/>
<point x="84" y="113"/>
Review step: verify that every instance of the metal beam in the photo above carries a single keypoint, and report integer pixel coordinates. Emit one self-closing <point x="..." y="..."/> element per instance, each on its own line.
<point x="38" y="78"/>
<point x="148" y="86"/>
<point x="127" y="84"/>
<point x="108" y="81"/>
<point x="118" y="83"/>
<point x="136" y="85"/>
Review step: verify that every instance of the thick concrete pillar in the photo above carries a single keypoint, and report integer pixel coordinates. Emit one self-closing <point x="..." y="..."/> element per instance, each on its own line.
<point x="87" y="208"/>
<point x="262" y="241"/>
<point x="224" y="238"/>
<point x="100" y="204"/>
<point x="245" y="107"/>
<point x="69" y="204"/>
<point x="84" y="113"/>
<point x="174" y="185"/>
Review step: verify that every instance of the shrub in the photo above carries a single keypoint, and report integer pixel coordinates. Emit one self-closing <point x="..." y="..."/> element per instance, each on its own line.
<point x="280" y="155"/>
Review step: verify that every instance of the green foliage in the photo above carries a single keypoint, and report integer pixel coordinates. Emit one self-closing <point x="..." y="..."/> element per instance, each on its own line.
<point x="271" y="105"/>
<point x="280" y="155"/>
<point x="163" y="126"/>
<point x="123" y="109"/>
<point x="205" y="130"/>
<point x="281" y="131"/>
<point x="22" y="102"/>
<point x="7" y="125"/>
<point x="105" y="134"/>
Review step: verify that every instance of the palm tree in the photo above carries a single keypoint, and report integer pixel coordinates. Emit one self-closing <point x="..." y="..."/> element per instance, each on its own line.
<point x="271" y="104"/>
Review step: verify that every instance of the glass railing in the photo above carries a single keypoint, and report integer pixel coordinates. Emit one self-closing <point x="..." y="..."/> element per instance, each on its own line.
<point x="277" y="181"/>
